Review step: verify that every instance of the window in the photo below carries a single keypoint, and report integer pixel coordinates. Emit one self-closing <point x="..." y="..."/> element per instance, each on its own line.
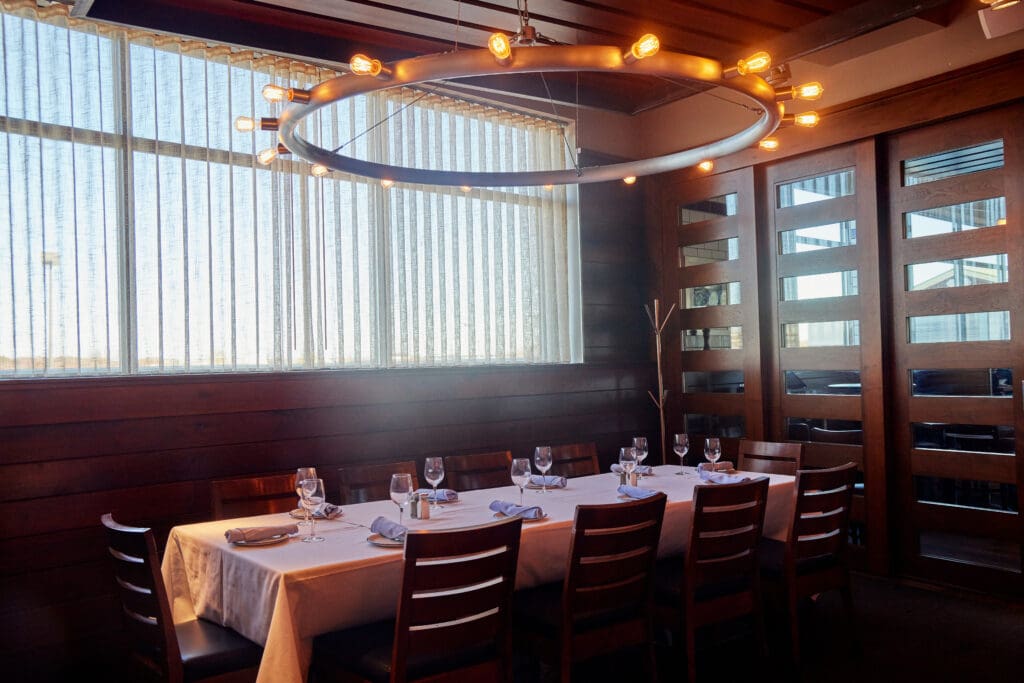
<point x="137" y="233"/>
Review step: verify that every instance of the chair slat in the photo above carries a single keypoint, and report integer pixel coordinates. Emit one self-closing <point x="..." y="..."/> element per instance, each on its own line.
<point x="457" y="637"/>
<point x="769" y="457"/>
<point x="727" y="545"/>
<point x="478" y="470"/>
<point x="574" y="460"/>
<point x="825" y="502"/>
<point x="821" y="524"/>
<point x="728" y="519"/>
<point x="599" y="542"/>
<point x="584" y="601"/>
<point x="425" y="609"/>
<point x="461" y="572"/>
<point x="818" y="547"/>
<point x="253" y="495"/>
<point x="611" y="568"/>
<point x="364" y="483"/>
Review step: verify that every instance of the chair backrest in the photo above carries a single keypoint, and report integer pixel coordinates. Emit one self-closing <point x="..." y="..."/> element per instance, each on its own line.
<point x="363" y="483"/>
<point x="144" y="604"/>
<point x="769" y="457"/>
<point x="478" y="470"/>
<point x="611" y="567"/>
<point x="821" y="514"/>
<point x="574" y="460"/>
<point x="457" y="594"/>
<point x="727" y="524"/>
<point x="259" y="495"/>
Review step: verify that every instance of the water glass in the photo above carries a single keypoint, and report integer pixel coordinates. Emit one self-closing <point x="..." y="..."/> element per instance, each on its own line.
<point x="312" y="498"/>
<point x="433" y="472"/>
<point x="542" y="459"/>
<point x="401" y="489"/>
<point x="681" y="445"/>
<point x="301" y="475"/>
<point x="627" y="460"/>
<point x="521" y="475"/>
<point x="712" y="450"/>
<point x="640" y="444"/>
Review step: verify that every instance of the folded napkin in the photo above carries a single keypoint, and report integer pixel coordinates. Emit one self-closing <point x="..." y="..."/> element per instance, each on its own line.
<point x="639" y="469"/>
<point x="550" y="480"/>
<point x="258" y="533"/>
<point x="325" y="511"/>
<point x="720" y="477"/>
<point x="635" y="491"/>
<point x="388" y="529"/>
<point x="511" y="509"/>
<point x="720" y="466"/>
<point x="449" y="495"/>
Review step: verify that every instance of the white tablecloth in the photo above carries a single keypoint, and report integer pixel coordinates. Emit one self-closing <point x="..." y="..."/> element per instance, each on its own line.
<point x="281" y="596"/>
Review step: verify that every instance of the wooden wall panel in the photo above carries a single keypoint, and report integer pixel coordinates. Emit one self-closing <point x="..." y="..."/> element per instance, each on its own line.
<point x="146" y="448"/>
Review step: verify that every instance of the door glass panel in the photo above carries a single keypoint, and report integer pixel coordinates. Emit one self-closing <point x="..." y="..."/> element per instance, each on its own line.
<point x="713" y="338"/>
<point x="836" y="382"/>
<point x="831" y="333"/>
<point x="710" y="252"/>
<point x="721" y="294"/>
<point x="819" y="188"/>
<point x="953" y="162"/>
<point x="818" y="237"/>
<point x="962" y="382"/>
<point x="731" y="426"/>
<point x="942" y="220"/>
<point x="959" y="327"/>
<point x="720" y="382"/>
<point x="817" y="430"/>
<point x="984" y="495"/>
<point x="958" y="437"/>
<point x="706" y="209"/>
<point x="988" y="552"/>
<point x="963" y="272"/>
<point x="818" y="286"/>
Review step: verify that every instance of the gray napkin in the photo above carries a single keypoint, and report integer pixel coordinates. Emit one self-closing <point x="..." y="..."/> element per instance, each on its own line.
<point x="388" y="529"/>
<point x="249" y="534"/>
<point x="635" y="492"/>
<point x="511" y="509"/>
<point x="550" y="480"/>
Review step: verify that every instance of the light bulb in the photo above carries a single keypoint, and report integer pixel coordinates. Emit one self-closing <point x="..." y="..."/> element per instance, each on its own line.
<point x="500" y="47"/>
<point x="647" y="46"/>
<point x="319" y="170"/>
<point x="808" y="91"/>
<point x="1001" y="221"/>
<point x="754" y="64"/>
<point x="769" y="144"/>
<point x="629" y="180"/>
<point x="1000" y="4"/>
<point x="466" y="188"/>
<point x="274" y="93"/>
<point x="809" y="119"/>
<point x="386" y="182"/>
<point x="245" y="124"/>
<point x="362" y="65"/>
<point x="707" y="165"/>
<point x="267" y="156"/>
<point x="549" y="187"/>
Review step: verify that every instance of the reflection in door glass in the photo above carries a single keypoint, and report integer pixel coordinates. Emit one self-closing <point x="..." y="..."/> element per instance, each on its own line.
<point x="818" y="286"/>
<point x="721" y="294"/>
<point x="713" y="338"/>
<point x="959" y="327"/>
<point x="942" y="220"/>
<point x="953" y="162"/>
<point x="961" y="272"/>
<point x="731" y="426"/>
<point x="962" y="382"/>
<point x="710" y="252"/>
<point x="963" y="437"/>
<point x="835" y="382"/>
<point x="809" y="190"/>
<point x="720" y="382"/>
<point x="831" y="333"/>
<point x="818" y="237"/>
<point x="706" y="209"/>
<point x="818" y="430"/>
<point x="986" y="495"/>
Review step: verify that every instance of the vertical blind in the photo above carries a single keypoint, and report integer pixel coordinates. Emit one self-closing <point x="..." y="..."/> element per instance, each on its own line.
<point x="138" y="233"/>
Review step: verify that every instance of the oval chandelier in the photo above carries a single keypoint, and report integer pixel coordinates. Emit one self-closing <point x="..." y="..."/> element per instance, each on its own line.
<point x="643" y="58"/>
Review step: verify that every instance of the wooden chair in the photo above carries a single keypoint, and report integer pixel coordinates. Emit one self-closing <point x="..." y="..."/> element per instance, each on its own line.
<point x="478" y="470"/>
<point x="453" y="619"/>
<point x="813" y="558"/>
<point x="717" y="579"/>
<point x="574" y="460"/>
<point x="605" y="600"/>
<point x="191" y="651"/>
<point x="259" y="495"/>
<point x="363" y="483"/>
<point x="769" y="457"/>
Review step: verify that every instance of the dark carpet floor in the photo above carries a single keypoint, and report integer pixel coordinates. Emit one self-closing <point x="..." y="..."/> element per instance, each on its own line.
<point x="908" y="633"/>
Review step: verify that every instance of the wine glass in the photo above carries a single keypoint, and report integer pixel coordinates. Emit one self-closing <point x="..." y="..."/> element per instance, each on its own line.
<point x="542" y="459"/>
<point x="433" y="472"/>
<point x="301" y="475"/>
<point x="681" y="445"/>
<point x="401" y="489"/>
<point x="640" y="444"/>
<point x="312" y="498"/>
<point x="627" y="460"/>
<point x="712" y="450"/>
<point x="521" y="475"/>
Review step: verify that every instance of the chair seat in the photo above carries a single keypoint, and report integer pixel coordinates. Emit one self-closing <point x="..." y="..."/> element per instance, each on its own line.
<point x="208" y="649"/>
<point x="366" y="652"/>
<point x="772" y="554"/>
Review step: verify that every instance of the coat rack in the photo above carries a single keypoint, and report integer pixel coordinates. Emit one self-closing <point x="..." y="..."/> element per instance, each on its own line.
<point x="657" y="324"/>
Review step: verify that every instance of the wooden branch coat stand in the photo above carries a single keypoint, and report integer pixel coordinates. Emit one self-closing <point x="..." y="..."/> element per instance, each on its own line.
<point x="657" y="324"/>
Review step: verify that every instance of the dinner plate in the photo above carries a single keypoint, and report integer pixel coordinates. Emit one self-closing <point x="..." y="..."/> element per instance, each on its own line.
<point x="384" y="541"/>
<point x="526" y="520"/>
<point x="273" y="540"/>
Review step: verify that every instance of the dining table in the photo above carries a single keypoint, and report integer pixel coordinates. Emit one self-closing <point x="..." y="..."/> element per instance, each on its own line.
<point x="282" y="595"/>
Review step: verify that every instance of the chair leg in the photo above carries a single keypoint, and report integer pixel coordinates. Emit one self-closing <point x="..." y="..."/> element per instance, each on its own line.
<point x="794" y="626"/>
<point x="691" y="653"/>
<point x="855" y="644"/>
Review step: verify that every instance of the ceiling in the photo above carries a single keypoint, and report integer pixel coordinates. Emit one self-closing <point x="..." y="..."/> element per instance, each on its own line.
<point x="333" y="30"/>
